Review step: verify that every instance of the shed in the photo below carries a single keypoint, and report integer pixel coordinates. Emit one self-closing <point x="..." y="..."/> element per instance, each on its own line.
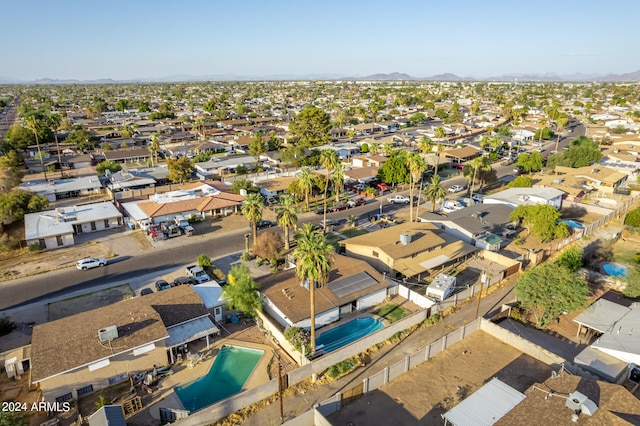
<point x="485" y="406"/>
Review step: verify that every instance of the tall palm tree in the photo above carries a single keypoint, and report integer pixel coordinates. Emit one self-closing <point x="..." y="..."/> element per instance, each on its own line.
<point x="33" y="123"/>
<point x="388" y="149"/>
<point x="313" y="263"/>
<point x="425" y="145"/>
<point x="328" y="160"/>
<point x="54" y="121"/>
<point x="154" y="147"/>
<point x="252" y="210"/>
<point x="287" y="216"/>
<point x="482" y="164"/>
<point x="338" y="180"/>
<point x="417" y="166"/>
<point x="439" y="149"/>
<point x="374" y="149"/>
<point x="440" y="133"/>
<point x="305" y="183"/>
<point x="434" y="192"/>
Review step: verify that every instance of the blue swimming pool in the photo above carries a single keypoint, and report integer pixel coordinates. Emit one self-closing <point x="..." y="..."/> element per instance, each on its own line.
<point x="573" y="224"/>
<point x="230" y="370"/>
<point x="347" y="333"/>
<point x="614" y="270"/>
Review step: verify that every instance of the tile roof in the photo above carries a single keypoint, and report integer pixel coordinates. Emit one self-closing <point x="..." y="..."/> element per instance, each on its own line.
<point x="72" y="342"/>
<point x="292" y="299"/>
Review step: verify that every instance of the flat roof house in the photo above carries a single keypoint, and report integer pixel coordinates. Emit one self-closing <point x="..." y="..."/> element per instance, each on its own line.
<point x="64" y="188"/>
<point x="55" y="228"/>
<point x="92" y="350"/>
<point x="526" y="196"/>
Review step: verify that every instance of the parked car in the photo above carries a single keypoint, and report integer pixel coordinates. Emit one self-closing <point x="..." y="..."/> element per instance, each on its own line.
<point x="162" y="285"/>
<point x="356" y="203"/>
<point x="189" y="230"/>
<point x="339" y="208"/>
<point x="146" y="291"/>
<point x="330" y="222"/>
<point x="183" y="281"/>
<point x="382" y="186"/>
<point x="457" y="188"/>
<point x="320" y="210"/>
<point x="398" y="199"/>
<point x="90" y="262"/>
<point x="265" y="224"/>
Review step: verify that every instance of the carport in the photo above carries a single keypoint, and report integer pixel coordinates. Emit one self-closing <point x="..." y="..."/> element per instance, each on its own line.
<point x="189" y="331"/>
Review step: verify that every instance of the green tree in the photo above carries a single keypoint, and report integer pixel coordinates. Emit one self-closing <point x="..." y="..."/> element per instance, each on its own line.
<point x="454" y="113"/>
<point x="395" y="169"/>
<point x="241" y="291"/>
<point x="417" y="119"/>
<point x="33" y="123"/>
<point x="417" y="167"/>
<point x="530" y="162"/>
<point x="305" y="181"/>
<point x="582" y="152"/>
<point x="82" y="139"/>
<point x="549" y="290"/>
<point x="293" y="155"/>
<point x="252" y="208"/>
<point x="180" y="169"/>
<point x="53" y="122"/>
<point x="632" y="287"/>
<point x="561" y="122"/>
<point x="257" y="146"/>
<point x="541" y="220"/>
<point x="338" y="180"/>
<point x="245" y="184"/>
<point x="571" y="258"/>
<point x="328" y="160"/>
<point x="434" y="192"/>
<point x="521" y="182"/>
<point x="204" y="261"/>
<point x="313" y="265"/>
<point x="544" y="133"/>
<point x="287" y="216"/>
<point x="18" y="138"/>
<point x="16" y="203"/>
<point x="310" y="127"/>
<point x="122" y="104"/>
<point x="110" y="165"/>
<point x="154" y="147"/>
<point x="633" y="218"/>
<point x="10" y="174"/>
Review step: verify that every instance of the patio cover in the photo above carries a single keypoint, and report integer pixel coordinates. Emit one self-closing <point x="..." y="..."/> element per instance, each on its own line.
<point x="485" y="406"/>
<point x="189" y="331"/>
<point x="602" y="315"/>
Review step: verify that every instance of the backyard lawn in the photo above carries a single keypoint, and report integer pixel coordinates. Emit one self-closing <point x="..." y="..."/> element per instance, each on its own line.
<point x="392" y="313"/>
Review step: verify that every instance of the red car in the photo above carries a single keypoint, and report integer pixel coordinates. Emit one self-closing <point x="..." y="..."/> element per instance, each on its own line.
<point x="339" y="208"/>
<point x="382" y="186"/>
<point x="356" y="203"/>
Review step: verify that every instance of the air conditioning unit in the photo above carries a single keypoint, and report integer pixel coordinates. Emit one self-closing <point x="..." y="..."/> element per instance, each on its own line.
<point x="108" y="333"/>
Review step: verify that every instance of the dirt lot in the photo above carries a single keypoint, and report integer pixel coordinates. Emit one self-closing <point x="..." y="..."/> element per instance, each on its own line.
<point x="434" y="387"/>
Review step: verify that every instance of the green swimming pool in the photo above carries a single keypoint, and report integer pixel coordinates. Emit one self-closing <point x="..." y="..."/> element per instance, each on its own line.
<point x="228" y="374"/>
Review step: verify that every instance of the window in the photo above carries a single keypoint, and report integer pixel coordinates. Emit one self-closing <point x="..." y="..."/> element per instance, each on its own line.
<point x="63" y="398"/>
<point x="59" y="240"/>
<point x="118" y="378"/>
<point x="43" y="244"/>
<point x="93" y="226"/>
<point x="375" y="254"/>
<point x="85" y="390"/>
<point x="106" y="223"/>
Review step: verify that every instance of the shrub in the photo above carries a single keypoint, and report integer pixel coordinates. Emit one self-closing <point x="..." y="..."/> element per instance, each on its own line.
<point x="204" y="261"/>
<point x="297" y="337"/>
<point x="268" y="245"/>
<point x="571" y="258"/>
<point x="35" y="248"/>
<point x="341" y="368"/>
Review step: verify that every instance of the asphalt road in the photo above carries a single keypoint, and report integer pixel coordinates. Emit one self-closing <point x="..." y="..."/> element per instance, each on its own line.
<point x="57" y="283"/>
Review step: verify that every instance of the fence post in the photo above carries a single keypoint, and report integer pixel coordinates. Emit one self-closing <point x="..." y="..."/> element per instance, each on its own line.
<point x="365" y="385"/>
<point x="444" y="342"/>
<point x="407" y="363"/>
<point x="462" y="331"/>
<point x="386" y="375"/>
<point x="427" y="352"/>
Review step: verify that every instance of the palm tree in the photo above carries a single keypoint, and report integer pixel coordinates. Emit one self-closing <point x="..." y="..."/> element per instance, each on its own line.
<point x="480" y="163"/>
<point x="313" y="264"/>
<point x="34" y="124"/>
<point x="439" y="149"/>
<point x="388" y="149"/>
<point x="54" y="121"/>
<point x="338" y="180"/>
<point x="374" y="148"/>
<point x="434" y="192"/>
<point x="328" y="160"/>
<point x="440" y="133"/>
<point x="305" y="183"/>
<point x="425" y="145"/>
<point x="287" y="216"/>
<point x="417" y="166"/>
<point x="252" y="210"/>
<point x="154" y="147"/>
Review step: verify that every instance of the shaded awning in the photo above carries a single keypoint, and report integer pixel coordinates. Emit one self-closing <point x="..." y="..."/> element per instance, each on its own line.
<point x="190" y="330"/>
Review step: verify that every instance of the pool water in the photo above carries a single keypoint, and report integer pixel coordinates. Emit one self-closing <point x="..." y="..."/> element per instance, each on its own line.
<point x="229" y="372"/>
<point x="614" y="270"/>
<point x="573" y="224"/>
<point x="347" y="333"/>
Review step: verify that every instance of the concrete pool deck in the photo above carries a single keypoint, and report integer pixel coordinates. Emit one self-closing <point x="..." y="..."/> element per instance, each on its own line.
<point x="183" y="374"/>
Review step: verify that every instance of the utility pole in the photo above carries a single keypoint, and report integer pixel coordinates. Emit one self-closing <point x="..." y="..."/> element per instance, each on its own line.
<point x="483" y="279"/>
<point x="281" y="386"/>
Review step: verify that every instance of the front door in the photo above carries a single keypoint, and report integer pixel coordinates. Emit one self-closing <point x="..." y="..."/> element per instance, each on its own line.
<point x="217" y="313"/>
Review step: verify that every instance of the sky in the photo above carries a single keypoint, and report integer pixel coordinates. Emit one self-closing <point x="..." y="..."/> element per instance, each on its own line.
<point x="129" y="39"/>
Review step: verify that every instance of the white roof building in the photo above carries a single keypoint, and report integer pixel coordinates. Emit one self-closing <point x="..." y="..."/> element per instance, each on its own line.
<point x="64" y="188"/>
<point x="526" y="196"/>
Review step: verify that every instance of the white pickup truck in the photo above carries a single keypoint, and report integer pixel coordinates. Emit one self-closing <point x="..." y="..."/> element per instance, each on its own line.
<point x="398" y="199"/>
<point x="197" y="273"/>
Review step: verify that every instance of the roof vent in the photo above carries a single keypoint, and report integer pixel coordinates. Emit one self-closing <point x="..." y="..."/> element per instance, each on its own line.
<point x="579" y="403"/>
<point x="405" y="239"/>
<point x="108" y="333"/>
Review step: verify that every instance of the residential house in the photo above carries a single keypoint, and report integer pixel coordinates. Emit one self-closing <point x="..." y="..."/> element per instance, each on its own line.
<point x="83" y="353"/>
<point x="353" y="286"/>
<point x="369" y="161"/>
<point x="484" y="225"/>
<point x="362" y="174"/>
<point x="526" y="196"/>
<point x="59" y="189"/>
<point x="55" y="228"/>
<point x="588" y="178"/>
<point x="274" y="187"/>
<point x="128" y="155"/>
<point x="218" y="168"/>
<point x="409" y="249"/>
<point x="461" y="155"/>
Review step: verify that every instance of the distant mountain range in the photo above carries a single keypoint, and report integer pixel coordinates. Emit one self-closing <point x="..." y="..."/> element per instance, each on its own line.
<point x="394" y="76"/>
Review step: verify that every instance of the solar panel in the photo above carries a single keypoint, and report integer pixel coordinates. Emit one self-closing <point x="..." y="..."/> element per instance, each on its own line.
<point x="349" y="285"/>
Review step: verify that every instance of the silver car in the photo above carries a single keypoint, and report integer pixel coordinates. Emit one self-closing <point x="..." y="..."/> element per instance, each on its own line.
<point x="90" y="262"/>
